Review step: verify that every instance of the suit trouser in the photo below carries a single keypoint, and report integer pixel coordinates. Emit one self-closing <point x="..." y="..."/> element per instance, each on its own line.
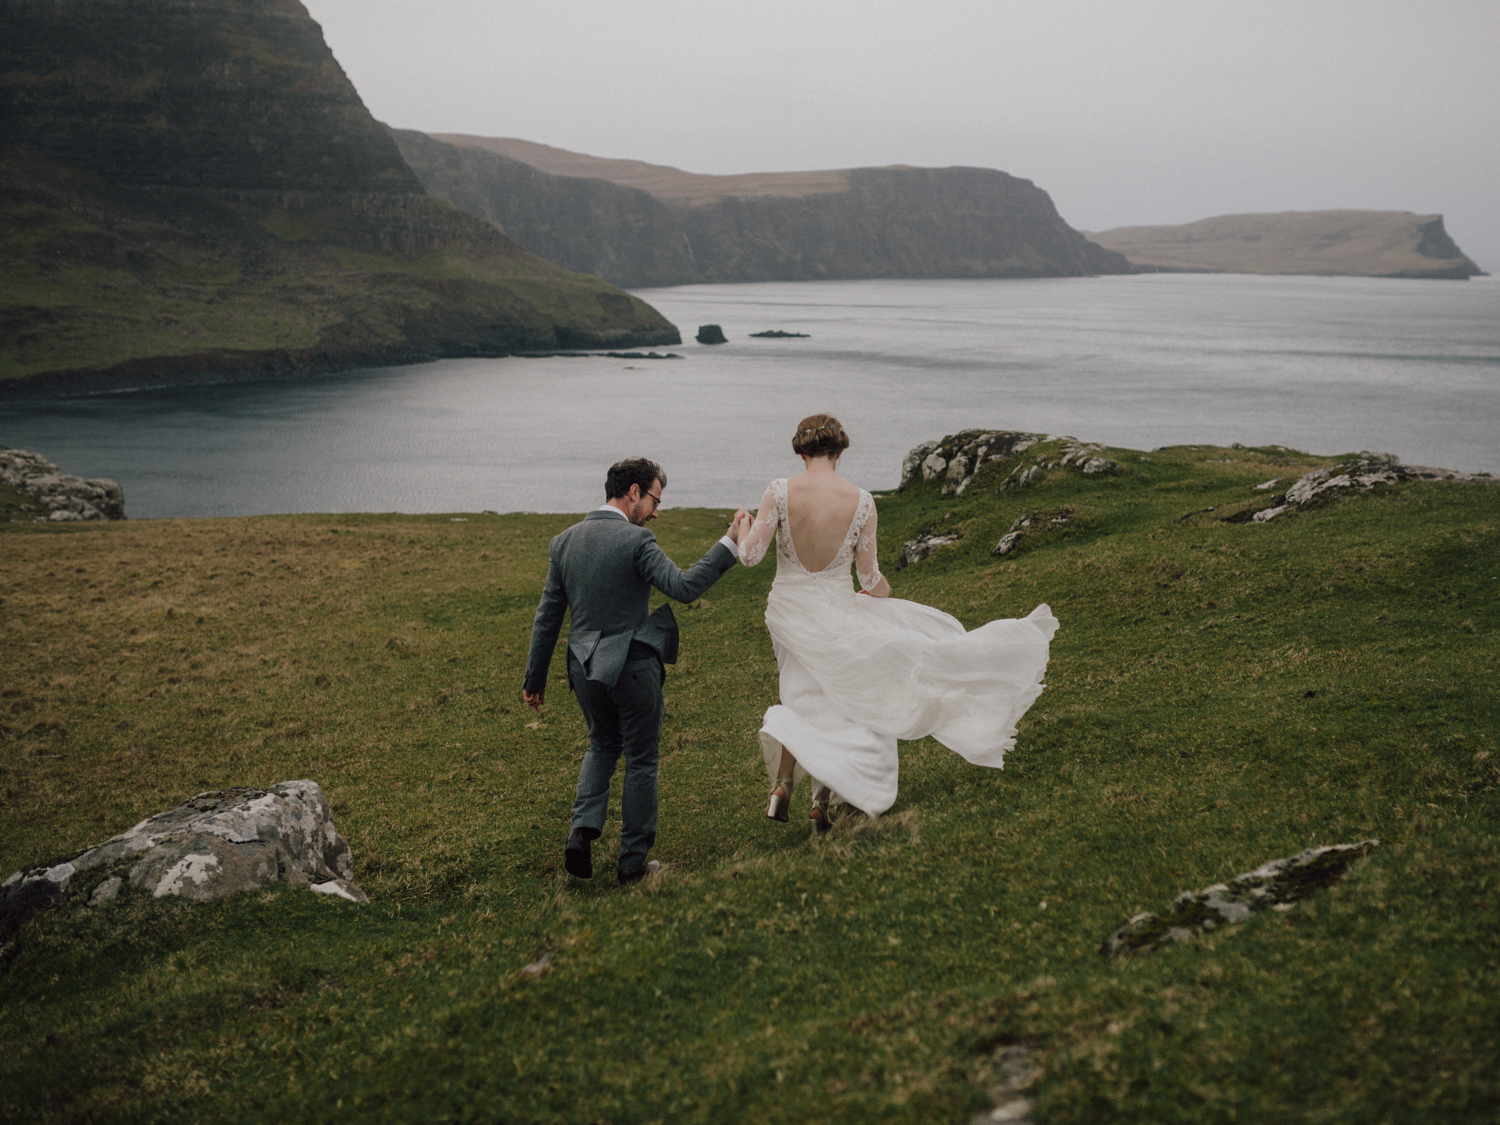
<point x="623" y="720"/>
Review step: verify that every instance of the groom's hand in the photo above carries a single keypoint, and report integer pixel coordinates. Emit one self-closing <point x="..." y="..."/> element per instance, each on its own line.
<point x="533" y="699"/>
<point x="739" y="525"/>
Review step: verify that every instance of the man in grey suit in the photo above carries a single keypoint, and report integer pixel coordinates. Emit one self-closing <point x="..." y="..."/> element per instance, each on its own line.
<point x="603" y="570"/>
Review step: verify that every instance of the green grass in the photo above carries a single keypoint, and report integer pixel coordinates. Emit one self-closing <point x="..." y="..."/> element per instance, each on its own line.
<point x="92" y="277"/>
<point x="1220" y="694"/>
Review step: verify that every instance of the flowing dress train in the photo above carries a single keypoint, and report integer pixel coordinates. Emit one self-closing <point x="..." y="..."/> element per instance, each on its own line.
<point x="858" y="673"/>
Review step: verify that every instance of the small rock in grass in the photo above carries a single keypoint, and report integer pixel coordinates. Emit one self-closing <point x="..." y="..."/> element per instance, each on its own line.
<point x="1278" y="883"/>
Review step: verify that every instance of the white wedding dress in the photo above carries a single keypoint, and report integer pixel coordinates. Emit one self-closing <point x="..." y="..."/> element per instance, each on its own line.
<point x="857" y="672"/>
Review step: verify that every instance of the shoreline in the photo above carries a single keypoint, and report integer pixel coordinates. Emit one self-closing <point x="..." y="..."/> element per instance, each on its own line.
<point x="214" y="368"/>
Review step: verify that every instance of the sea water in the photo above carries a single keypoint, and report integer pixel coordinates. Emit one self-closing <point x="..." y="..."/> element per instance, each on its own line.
<point x="1326" y="365"/>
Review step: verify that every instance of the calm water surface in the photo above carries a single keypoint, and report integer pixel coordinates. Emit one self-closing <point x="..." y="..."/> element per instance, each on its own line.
<point x="1326" y="365"/>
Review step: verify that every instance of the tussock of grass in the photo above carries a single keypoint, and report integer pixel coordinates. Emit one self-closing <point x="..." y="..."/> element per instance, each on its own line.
<point x="1220" y="694"/>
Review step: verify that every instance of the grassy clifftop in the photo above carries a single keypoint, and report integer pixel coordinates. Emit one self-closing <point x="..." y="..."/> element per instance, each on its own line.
<point x="190" y="189"/>
<point x="1221" y="693"/>
<point x="1344" y="243"/>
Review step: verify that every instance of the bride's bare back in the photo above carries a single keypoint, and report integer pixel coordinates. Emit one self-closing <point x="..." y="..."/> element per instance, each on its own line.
<point x="819" y="509"/>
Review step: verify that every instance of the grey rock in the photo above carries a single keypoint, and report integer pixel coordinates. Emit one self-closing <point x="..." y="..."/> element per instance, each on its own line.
<point x="1024" y="524"/>
<point x="217" y="844"/>
<point x="934" y="464"/>
<point x="1007" y="544"/>
<point x="711" y="334"/>
<point x="1359" y="474"/>
<point x="63" y="497"/>
<point x="341" y="888"/>
<point x="958" y="472"/>
<point x="958" y="457"/>
<point x="911" y="465"/>
<point x="1015" y="1071"/>
<point x="1279" y="883"/>
<point x="915" y="550"/>
<point x="538" y="968"/>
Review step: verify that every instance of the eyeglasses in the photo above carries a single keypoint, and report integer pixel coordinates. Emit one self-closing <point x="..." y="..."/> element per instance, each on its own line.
<point x="654" y="498"/>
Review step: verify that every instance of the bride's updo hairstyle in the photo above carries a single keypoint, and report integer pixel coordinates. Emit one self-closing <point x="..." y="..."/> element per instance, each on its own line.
<point x="819" y="435"/>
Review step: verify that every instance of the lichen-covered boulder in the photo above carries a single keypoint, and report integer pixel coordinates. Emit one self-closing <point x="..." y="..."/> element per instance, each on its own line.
<point x="915" y="550"/>
<point x="1279" y="883"/>
<point x="1358" y="474"/>
<point x="215" y="845"/>
<point x="958" y="457"/>
<point x="60" y="495"/>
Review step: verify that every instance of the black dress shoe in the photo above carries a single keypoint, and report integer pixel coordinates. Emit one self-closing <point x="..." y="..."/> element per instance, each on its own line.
<point x="577" y="854"/>
<point x="636" y="874"/>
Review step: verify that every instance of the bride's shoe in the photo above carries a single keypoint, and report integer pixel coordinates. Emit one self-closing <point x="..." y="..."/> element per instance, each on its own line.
<point x="780" y="807"/>
<point x="817" y="816"/>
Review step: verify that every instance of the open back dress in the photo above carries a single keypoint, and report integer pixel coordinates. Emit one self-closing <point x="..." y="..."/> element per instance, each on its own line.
<point x="858" y="673"/>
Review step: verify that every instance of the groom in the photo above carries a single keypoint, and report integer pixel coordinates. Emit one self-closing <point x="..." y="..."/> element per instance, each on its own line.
<point x="603" y="570"/>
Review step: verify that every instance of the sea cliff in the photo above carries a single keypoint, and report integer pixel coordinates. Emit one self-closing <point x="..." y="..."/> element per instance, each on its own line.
<point x="193" y="188"/>
<point x="640" y="224"/>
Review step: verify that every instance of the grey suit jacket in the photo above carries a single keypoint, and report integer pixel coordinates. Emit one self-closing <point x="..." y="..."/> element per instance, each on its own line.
<point x="603" y="570"/>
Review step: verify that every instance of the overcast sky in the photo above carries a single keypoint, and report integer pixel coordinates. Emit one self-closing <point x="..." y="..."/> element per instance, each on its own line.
<point x="1159" y="111"/>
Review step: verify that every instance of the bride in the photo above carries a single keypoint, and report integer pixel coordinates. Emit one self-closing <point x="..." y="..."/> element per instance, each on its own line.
<point x="860" y="670"/>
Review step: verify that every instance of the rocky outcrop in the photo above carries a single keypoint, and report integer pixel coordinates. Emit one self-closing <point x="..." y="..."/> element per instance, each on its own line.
<point x="1028" y="526"/>
<point x="217" y="844"/>
<point x="192" y="188"/>
<point x="1280" y="883"/>
<point x="1359" y="474"/>
<point x="711" y="334"/>
<point x="1349" y="243"/>
<point x="915" y="550"/>
<point x="957" y="457"/>
<point x="960" y="458"/>
<point x="850" y="223"/>
<point x="61" y="497"/>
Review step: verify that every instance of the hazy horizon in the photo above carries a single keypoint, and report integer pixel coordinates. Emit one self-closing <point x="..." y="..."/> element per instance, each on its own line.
<point x="1158" y="113"/>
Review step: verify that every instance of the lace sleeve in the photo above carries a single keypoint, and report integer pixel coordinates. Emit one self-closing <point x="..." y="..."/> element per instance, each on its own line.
<point x="866" y="564"/>
<point x="753" y="547"/>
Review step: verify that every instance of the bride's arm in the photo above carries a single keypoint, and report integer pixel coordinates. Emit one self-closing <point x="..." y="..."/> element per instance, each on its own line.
<point x="871" y="581"/>
<point x="754" y="542"/>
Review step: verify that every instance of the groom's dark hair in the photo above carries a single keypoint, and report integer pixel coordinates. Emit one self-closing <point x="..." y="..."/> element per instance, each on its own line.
<point x="632" y="470"/>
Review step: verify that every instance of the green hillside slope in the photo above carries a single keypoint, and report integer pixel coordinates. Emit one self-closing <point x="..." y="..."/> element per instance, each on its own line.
<point x="1221" y="693"/>
<point x="194" y="188"/>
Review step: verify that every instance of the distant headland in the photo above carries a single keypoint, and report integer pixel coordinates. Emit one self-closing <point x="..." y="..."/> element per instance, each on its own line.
<point x="1330" y="243"/>
<point x="639" y="224"/>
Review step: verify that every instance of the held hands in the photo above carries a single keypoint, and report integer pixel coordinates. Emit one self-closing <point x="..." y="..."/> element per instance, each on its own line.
<point x="739" y="527"/>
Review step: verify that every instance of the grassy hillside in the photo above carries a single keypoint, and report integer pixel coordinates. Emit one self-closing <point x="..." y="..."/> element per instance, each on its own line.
<point x="102" y="280"/>
<point x="1332" y="243"/>
<point x="193" y="187"/>
<point x="1220" y="694"/>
